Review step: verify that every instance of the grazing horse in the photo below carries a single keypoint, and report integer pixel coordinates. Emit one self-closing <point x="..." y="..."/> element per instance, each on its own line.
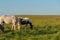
<point x="26" y="21"/>
<point x="10" y="20"/>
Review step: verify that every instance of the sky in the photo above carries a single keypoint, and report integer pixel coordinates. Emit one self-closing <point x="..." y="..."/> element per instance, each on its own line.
<point x="29" y="7"/>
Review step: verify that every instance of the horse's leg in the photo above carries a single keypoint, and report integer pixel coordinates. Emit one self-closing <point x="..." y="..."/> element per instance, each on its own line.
<point x="31" y="26"/>
<point x="2" y="28"/>
<point x="12" y="27"/>
<point x="19" y="26"/>
<point x="26" y="26"/>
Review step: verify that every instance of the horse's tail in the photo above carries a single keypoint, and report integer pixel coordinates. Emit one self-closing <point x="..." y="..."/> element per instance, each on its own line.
<point x="31" y="26"/>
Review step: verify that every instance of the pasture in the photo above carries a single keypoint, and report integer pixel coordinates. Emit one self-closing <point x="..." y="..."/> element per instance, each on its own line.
<point x="45" y="27"/>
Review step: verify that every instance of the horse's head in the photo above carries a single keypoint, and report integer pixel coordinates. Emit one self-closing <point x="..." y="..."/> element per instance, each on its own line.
<point x="20" y="18"/>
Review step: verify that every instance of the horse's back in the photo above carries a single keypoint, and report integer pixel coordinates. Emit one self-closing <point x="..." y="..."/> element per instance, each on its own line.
<point x="9" y="19"/>
<point x="26" y="18"/>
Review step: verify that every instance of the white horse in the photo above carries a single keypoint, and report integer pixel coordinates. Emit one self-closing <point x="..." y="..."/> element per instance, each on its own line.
<point x="10" y="20"/>
<point x="26" y="21"/>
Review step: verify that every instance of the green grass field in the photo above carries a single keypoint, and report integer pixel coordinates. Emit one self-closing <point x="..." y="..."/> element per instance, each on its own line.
<point x="45" y="28"/>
